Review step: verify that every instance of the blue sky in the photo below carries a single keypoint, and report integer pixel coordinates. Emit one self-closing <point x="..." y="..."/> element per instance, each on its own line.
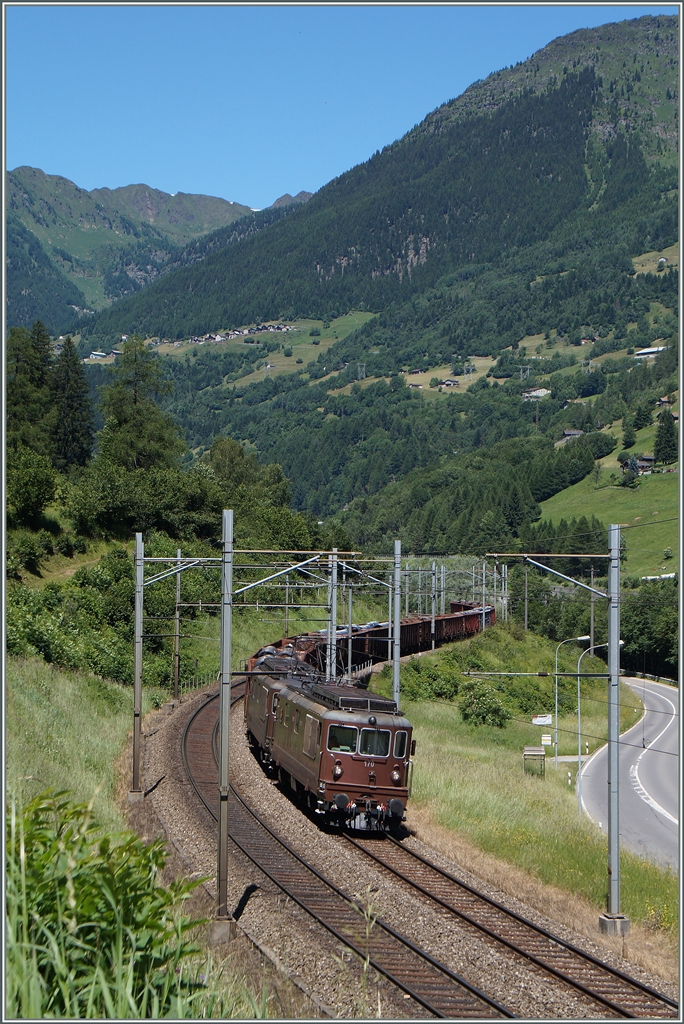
<point x="249" y="102"/>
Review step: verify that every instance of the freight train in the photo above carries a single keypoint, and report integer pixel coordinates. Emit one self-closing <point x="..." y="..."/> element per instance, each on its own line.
<point x="345" y="752"/>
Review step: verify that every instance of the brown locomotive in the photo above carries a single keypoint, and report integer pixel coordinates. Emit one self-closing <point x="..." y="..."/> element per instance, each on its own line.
<point x="344" y="751"/>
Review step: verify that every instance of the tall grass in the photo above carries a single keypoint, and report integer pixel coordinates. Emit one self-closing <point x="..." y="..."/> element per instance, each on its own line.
<point x="89" y="930"/>
<point x="471" y="777"/>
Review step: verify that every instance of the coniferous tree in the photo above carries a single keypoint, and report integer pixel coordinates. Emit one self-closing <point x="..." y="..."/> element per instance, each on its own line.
<point x="73" y="429"/>
<point x="137" y="434"/>
<point x="42" y="350"/>
<point x="643" y="416"/>
<point x="628" y="433"/>
<point x="666" y="449"/>
<point x="28" y="408"/>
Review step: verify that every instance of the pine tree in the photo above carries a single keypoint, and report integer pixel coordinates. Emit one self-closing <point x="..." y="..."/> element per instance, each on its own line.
<point x="73" y="428"/>
<point x="643" y="416"/>
<point x="27" y="409"/>
<point x="666" y="448"/>
<point x="628" y="433"/>
<point x="137" y="434"/>
<point x="42" y="351"/>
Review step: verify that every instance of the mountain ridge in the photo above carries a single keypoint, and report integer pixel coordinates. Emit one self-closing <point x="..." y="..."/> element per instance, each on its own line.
<point x="104" y="242"/>
<point x="389" y="227"/>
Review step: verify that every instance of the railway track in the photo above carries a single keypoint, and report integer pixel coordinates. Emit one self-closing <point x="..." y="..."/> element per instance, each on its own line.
<point x="610" y="988"/>
<point x="432" y="985"/>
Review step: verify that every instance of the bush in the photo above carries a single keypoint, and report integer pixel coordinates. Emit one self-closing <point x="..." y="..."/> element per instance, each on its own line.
<point x="26" y="550"/>
<point x="480" y="705"/>
<point x="600" y="444"/>
<point x="90" y="932"/>
<point x="30" y="484"/>
<point x="314" y="332"/>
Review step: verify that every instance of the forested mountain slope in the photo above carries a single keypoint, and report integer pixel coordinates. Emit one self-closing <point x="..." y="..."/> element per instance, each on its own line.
<point x="487" y="175"/>
<point x="105" y="243"/>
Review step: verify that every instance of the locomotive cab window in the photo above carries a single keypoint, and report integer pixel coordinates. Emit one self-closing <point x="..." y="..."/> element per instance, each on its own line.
<point x="274" y="706"/>
<point x="342" y="738"/>
<point x="400" y="743"/>
<point x="375" y="742"/>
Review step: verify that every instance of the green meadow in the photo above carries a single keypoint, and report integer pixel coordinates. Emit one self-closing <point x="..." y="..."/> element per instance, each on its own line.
<point x="650" y="510"/>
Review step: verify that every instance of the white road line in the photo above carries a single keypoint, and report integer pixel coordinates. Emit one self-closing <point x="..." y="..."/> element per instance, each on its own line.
<point x="634" y="769"/>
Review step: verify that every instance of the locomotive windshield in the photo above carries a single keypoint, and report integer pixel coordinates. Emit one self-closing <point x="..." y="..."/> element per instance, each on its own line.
<point x="343" y="738"/>
<point x="375" y="742"/>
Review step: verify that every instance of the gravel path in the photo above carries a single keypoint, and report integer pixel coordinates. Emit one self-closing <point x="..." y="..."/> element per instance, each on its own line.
<point x="324" y="970"/>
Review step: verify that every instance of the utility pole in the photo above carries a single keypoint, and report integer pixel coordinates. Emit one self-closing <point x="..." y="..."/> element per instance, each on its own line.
<point x="406" y="595"/>
<point x="484" y="583"/>
<point x="329" y="670"/>
<point x="349" y="636"/>
<point x="333" y="618"/>
<point x="136" y="792"/>
<point x="176" y="636"/>
<point x="613" y="923"/>
<point x="526" y="575"/>
<point x="434" y="603"/>
<point x="287" y="601"/>
<point x="396" y="651"/>
<point x="591" y="610"/>
<point x="420" y="591"/>
<point x="443" y="589"/>
<point x="224" y="926"/>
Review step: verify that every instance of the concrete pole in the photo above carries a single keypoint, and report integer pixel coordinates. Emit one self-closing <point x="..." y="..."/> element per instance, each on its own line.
<point x="328" y="644"/>
<point x="434" y="604"/>
<point x="420" y="591"/>
<point x="224" y="711"/>
<point x="333" y="619"/>
<point x="136" y="792"/>
<point x="473" y="584"/>
<point x="176" y="636"/>
<point x="443" y="591"/>
<point x="396" y="652"/>
<point x="591" y="610"/>
<point x="484" y="586"/>
<point x="495" y="575"/>
<point x="349" y="636"/>
<point x="527" y="569"/>
<point x="287" y="602"/>
<point x="614" y="922"/>
<point x="406" y="593"/>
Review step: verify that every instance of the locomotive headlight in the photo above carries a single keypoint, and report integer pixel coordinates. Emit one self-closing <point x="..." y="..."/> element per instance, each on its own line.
<point x="337" y="771"/>
<point x="395" y="775"/>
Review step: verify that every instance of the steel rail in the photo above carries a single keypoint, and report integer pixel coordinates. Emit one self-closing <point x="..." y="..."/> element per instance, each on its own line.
<point x="390" y="958"/>
<point x="553" y="943"/>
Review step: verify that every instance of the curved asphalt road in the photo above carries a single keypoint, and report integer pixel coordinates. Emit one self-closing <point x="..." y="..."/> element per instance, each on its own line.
<point x="649" y="777"/>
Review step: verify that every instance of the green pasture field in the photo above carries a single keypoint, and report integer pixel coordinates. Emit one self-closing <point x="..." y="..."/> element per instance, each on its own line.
<point x="471" y="779"/>
<point x="299" y="340"/>
<point x="647" y="263"/>
<point x="654" y="502"/>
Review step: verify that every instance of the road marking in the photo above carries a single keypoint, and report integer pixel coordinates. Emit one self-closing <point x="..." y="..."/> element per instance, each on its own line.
<point x="634" y="770"/>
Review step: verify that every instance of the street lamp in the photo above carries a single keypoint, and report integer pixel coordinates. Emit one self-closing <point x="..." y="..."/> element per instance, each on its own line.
<point x="570" y="640"/>
<point x="579" y="727"/>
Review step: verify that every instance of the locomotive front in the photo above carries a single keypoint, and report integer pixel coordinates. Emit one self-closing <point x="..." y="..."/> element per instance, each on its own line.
<point x="345" y="752"/>
<point x="365" y="763"/>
